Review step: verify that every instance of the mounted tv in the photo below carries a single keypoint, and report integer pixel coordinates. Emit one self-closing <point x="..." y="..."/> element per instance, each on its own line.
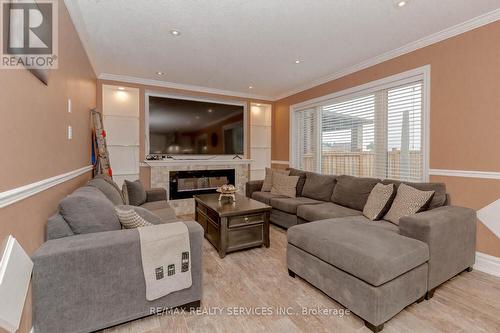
<point x="190" y="127"/>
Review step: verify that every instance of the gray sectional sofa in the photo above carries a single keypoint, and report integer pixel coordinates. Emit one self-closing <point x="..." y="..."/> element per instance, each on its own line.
<point x="374" y="268"/>
<point x="88" y="276"/>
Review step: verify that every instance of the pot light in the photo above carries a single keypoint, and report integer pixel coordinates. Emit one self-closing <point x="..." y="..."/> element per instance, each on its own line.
<point x="297" y="61"/>
<point x="250" y="87"/>
<point x="159" y="73"/>
<point x="401" y="3"/>
<point x="175" y="32"/>
<point x="121" y="88"/>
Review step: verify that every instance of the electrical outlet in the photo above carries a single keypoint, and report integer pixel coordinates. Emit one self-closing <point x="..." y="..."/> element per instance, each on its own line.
<point x="69" y="105"/>
<point x="70" y="132"/>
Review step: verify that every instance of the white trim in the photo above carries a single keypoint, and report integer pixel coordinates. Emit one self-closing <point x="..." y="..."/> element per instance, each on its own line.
<point x="180" y="86"/>
<point x="421" y="73"/>
<point x="191" y="162"/>
<point x="20" y="193"/>
<point x="455" y="30"/>
<point x="487" y="264"/>
<point x="280" y="162"/>
<point x="148" y="93"/>
<point x="465" y="173"/>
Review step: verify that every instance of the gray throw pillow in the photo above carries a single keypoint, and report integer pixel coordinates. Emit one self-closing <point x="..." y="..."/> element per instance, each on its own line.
<point x="146" y="214"/>
<point x="268" y="180"/>
<point x="438" y="199"/>
<point x="379" y="201"/>
<point x="136" y="193"/>
<point x="285" y="185"/>
<point x="318" y="186"/>
<point x="111" y="192"/>
<point x="129" y="218"/>
<point x="87" y="210"/>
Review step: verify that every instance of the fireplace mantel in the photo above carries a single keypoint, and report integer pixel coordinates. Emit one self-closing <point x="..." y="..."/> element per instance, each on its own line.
<point x="200" y="162"/>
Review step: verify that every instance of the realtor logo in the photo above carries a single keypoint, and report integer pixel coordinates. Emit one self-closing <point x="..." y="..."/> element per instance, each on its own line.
<point x="29" y="34"/>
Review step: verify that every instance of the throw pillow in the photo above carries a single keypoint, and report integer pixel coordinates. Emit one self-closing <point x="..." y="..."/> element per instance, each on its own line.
<point x="379" y="201"/>
<point x="87" y="210"/>
<point x="302" y="179"/>
<point x="146" y="214"/>
<point x="268" y="180"/>
<point x="408" y="201"/>
<point x="129" y="218"/>
<point x="284" y="185"/>
<point x="136" y="193"/>
<point x="319" y="187"/>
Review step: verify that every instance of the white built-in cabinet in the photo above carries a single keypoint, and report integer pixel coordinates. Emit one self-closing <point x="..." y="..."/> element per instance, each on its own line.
<point x="120" y="108"/>
<point x="260" y="140"/>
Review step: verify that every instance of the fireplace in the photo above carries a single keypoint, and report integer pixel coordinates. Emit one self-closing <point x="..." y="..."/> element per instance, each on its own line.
<point x="185" y="184"/>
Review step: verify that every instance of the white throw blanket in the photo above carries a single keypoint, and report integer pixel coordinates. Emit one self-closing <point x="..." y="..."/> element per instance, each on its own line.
<point x="166" y="258"/>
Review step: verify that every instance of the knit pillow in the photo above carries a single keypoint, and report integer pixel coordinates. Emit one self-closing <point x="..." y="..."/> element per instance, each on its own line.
<point x="379" y="201"/>
<point x="408" y="201"/>
<point x="284" y="185"/>
<point x="268" y="180"/>
<point x="130" y="219"/>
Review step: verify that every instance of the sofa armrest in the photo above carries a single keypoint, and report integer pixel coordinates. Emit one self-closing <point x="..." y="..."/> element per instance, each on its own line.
<point x="87" y="282"/>
<point x="450" y="233"/>
<point x="156" y="194"/>
<point x="253" y="186"/>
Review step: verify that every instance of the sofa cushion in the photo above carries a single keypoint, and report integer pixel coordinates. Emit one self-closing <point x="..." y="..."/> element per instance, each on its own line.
<point x="112" y="193"/>
<point x="368" y="252"/>
<point x="325" y="210"/>
<point x="302" y="179"/>
<point x="319" y="187"/>
<point x="289" y="205"/>
<point x="87" y="210"/>
<point x="352" y="191"/>
<point x="136" y="193"/>
<point x="285" y="185"/>
<point x="439" y="197"/>
<point x="160" y="208"/>
<point x="153" y="205"/>
<point x="265" y="197"/>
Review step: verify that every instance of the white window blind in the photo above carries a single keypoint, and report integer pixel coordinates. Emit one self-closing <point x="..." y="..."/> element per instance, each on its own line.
<point x="376" y="134"/>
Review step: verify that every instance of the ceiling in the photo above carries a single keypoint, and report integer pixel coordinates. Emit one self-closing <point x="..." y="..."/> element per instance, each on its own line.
<point x="228" y="45"/>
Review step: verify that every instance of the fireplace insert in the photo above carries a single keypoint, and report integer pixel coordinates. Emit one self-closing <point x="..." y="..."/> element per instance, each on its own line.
<point x="185" y="184"/>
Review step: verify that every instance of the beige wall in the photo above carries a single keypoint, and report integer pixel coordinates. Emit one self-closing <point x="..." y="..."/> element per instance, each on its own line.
<point x="144" y="170"/>
<point x="464" y="116"/>
<point x="33" y="138"/>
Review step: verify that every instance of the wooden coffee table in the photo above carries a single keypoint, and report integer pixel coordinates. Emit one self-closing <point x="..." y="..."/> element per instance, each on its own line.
<point x="233" y="225"/>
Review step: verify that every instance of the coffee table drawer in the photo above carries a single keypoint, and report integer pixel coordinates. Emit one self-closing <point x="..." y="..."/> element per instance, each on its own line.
<point x="243" y="237"/>
<point x="237" y="221"/>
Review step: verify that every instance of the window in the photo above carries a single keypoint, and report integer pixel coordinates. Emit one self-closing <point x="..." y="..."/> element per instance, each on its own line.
<point x="374" y="131"/>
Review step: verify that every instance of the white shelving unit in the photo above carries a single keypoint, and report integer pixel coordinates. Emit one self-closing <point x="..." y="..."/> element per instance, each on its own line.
<point x="260" y="140"/>
<point x="121" y="122"/>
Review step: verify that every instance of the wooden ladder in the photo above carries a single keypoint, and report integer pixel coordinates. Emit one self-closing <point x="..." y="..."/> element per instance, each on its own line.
<point x="102" y="164"/>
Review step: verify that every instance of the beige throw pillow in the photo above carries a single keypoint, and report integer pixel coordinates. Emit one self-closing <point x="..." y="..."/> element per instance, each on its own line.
<point x="130" y="219"/>
<point x="268" y="180"/>
<point x="284" y="185"/>
<point x="408" y="201"/>
<point x="379" y="201"/>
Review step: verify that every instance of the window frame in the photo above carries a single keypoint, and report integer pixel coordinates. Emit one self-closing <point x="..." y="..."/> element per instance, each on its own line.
<point x="421" y="73"/>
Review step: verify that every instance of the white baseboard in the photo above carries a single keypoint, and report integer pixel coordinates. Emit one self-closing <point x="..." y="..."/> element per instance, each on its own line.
<point x="487" y="264"/>
<point x="32" y="330"/>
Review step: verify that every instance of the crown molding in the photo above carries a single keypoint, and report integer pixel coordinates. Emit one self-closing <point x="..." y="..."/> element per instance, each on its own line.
<point x="180" y="86"/>
<point x="20" y="193"/>
<point x="455" y="30"/>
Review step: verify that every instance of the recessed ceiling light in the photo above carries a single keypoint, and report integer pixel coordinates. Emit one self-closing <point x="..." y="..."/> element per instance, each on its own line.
<point x="297" y="61"/>
<point x="250" y="87"/>
<point x="401" y="3"/>
<point x="175" y="32"/>
<point x="121" y="88"/>
<point x="258" y="104"/>
<point x="159" y="73"/>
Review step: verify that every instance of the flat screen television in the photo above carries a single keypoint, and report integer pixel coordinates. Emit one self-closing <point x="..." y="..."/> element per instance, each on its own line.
<point x="179" y="126"/>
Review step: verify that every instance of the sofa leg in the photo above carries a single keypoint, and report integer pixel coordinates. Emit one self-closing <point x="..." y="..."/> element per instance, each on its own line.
<point x="421" y="299"/>
<point x="292" y="274"/>
<point x="469" y="269"/>
<point x="430" y="293"/>
<point x="374" y="328"/>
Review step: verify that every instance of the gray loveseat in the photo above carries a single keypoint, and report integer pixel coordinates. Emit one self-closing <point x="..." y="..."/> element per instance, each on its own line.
<point x="374" y="268"/>
<point x="92" y="280"/>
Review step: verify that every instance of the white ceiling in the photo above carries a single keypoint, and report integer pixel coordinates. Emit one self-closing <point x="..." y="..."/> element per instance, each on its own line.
<point x="229" y="45"/>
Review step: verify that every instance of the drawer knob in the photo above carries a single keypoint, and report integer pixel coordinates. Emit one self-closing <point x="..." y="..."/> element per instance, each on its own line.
<point x="246" y="219"/>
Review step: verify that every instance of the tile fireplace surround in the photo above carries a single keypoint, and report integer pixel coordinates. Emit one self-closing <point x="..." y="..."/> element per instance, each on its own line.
<point x="160" y="175"/>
